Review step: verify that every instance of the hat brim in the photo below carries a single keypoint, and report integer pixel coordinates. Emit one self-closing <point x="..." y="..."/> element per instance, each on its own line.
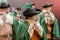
<point x="32" y="4"/>
<point x="32" y="14"/>
<point x="45" y="6"/>
<point x="5" y="6"/>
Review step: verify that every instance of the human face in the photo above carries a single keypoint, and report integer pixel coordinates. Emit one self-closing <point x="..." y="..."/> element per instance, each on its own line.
<point x="49" y="8"/>
<point x="18" y="13"/>
<point x="33" y="6"/>
<point x="35" y="17"/>
<point x="3" y="11"/>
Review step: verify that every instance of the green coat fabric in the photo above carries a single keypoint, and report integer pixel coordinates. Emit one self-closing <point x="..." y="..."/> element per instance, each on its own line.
<point x="13" y="13"/>
<point x="23" y="31"/>
<point x="14" y="27"/>
<point x="43" y="24"/>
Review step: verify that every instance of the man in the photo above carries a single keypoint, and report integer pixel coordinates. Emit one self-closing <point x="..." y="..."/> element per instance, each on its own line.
<point x="17" y="14"/>
<point x="49" y="22"/>
<point x="17" y="11"/>
<point x="6" y="21"/>
<point x="34" y="6"/>
<point x="31" y="5"/>
<point x="9" y="23"/>
<point x="16" y="18"/>
<point x="30" y="29"/>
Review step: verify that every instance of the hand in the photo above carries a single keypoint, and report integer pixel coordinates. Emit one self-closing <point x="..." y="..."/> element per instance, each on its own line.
<point x="31" y="30"/>
<point x="35" y="27"/>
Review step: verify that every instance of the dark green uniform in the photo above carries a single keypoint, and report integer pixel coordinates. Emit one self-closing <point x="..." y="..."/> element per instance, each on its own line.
<point x="44" y="26"/>
<point x="14" y="26"/>
<point x="23" y="31"/>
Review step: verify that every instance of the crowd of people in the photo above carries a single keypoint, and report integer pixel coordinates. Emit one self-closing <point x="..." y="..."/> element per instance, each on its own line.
<point x="37" y="25"/>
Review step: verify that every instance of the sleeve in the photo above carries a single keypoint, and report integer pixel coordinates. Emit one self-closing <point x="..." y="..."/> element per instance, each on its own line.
<point x="9" y="20"/>
<point x="22" y="32"/>
<point x="39" y="29"/>
<point x="30" y="30"/>
<point x="56" y="28"/>
<point x="40" y="17"/>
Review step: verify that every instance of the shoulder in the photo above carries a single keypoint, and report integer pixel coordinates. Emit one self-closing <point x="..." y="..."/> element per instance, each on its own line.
<point x="23" y="23"/>
<point x="41" y="13"/>
<point x="53" y="15"/>
<point x="9" y="19"/>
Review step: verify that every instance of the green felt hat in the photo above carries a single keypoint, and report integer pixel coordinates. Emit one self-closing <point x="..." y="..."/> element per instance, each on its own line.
<point x="27" y="5"/>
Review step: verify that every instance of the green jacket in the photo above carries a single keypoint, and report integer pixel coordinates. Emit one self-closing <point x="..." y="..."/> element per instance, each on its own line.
<point x="43" y="24"/>
<point x="14" y="27"/>
<point x="23" y="31"/>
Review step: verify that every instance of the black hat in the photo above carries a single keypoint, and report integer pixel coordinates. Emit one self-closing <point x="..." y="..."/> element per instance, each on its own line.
<point x="32" y="4"/>
<point x="30" y="12"/>
<point x="45" y="5"/>
<point x="38" y="10"/>
<point x="4" y="5"/>
<point x="18" y="8"/>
